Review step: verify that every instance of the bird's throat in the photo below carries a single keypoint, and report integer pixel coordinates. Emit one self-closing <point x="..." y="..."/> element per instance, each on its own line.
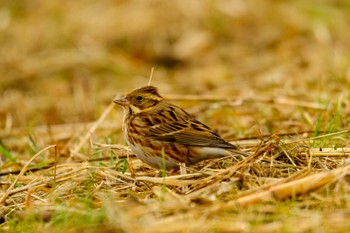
<point x="135" y="110"/>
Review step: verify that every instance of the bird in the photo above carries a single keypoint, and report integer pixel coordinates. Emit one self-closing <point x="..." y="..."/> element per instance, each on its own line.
<point x="164" y="135"/>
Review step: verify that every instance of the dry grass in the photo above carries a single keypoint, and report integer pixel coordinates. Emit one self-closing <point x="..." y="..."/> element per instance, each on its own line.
<point x="272" y="77"/>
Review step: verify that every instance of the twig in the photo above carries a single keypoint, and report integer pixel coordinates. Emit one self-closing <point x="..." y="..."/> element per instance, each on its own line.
<point x="55" y="165"/>
<point x="151" y="76"/>
<point x="55" y="168"/>
<point x="318" y="137"/>
<point x="240" y="101"/>
<point x="292" y="188"/>
<point x="92" y="129"/>
<point x="329" y="152"/>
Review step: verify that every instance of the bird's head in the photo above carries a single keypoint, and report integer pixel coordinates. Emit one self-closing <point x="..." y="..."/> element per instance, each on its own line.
<point x="140" y="100"/>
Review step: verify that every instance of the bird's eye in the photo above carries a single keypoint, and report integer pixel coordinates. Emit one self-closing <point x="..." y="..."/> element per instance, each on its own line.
<point x="139" y="98"/>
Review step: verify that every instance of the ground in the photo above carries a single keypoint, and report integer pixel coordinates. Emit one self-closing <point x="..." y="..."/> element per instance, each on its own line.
<point x="272" y="77"/>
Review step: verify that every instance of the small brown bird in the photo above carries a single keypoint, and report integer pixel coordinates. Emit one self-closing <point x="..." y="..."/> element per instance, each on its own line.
<point x="160" y="133"/>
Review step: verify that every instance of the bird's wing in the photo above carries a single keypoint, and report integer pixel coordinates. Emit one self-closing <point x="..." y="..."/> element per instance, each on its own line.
<point x="179" y="127"/>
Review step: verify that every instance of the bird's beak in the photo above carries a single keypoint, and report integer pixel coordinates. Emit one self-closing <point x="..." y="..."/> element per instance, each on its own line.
<point x="122" y="101"/>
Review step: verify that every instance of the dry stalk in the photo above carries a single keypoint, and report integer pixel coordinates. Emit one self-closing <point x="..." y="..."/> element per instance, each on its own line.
<point x="292" y="188"/>
<point x="240" y="100"/>
<point x="329" y="152"/>
<point x="319" y="137"/>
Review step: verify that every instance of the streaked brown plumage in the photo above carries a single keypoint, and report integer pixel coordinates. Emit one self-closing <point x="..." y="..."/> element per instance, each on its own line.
<point x="151" y="125"/>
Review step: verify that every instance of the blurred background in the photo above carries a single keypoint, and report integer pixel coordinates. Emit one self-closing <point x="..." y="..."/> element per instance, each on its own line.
<point x="64" y="61"/>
